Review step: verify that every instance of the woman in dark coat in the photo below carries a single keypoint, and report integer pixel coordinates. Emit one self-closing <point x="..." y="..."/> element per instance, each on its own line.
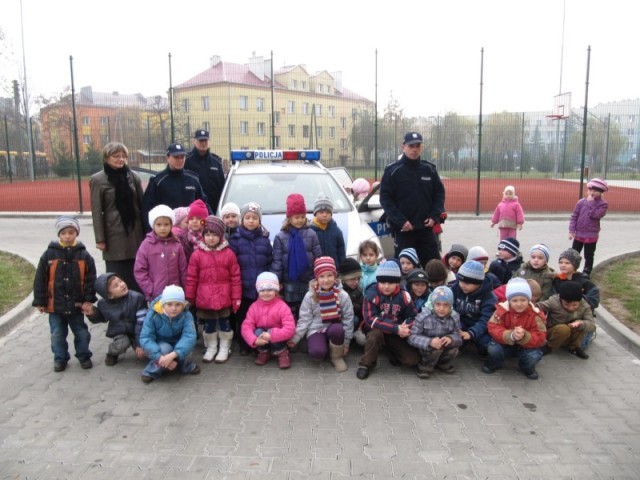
<point x="116" y="208"/>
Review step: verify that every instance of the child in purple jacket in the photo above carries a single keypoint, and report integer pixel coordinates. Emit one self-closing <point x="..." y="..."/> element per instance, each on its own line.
<point x="160" y="260"/>
<point x="584" y="226"/>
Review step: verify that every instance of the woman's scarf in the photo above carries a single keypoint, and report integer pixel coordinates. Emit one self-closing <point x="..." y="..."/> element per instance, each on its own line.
<point x="329" y="302"/>
<point x="298" y="261"/>
<point x="119" y="178"/>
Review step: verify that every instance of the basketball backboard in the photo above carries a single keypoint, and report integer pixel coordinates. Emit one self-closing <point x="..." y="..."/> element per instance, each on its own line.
<point x="561" y="106"/>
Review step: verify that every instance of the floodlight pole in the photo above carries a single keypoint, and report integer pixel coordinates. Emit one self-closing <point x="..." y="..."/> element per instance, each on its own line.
<point x="375" y="124"/>
<point x="479" y="134"/>
<point x="173" y="129"/>
<point x="75" y="134"/>
<point x="584" y="123"/>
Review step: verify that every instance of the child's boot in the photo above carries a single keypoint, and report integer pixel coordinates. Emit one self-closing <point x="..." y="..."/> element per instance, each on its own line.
<point x="211" y="344"/>
<point x="284" y="361"/>
<point x="336" y="354"/>
<point x="225" y="346"/>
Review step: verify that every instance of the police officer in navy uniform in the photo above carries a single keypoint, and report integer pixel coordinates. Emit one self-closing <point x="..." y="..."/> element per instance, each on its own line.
<point x="208" y="167"/>
<point x="174" y="186"/>
<point x="412" y="196"/>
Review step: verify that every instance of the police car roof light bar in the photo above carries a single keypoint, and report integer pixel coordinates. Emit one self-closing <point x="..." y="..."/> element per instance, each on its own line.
<point x="275" y="155"/>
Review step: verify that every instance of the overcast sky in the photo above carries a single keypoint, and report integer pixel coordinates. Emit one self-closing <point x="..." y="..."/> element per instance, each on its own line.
<point x="428" y="51"/>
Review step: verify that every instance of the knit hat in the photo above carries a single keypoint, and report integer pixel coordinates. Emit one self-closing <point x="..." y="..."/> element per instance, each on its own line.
<point x="518" y="287"/>
<point x="417" y="275"/>
<point x="360" y="186"/>
<point x="180" y="214"/>
<point x="457" y="250"/>
<point x="598" y="184"/>
<point x="388" y="271"/>
<point x="441" y="294"/>
<point x="172" y="293"/>
<point x="215" y="225"/>
<point x="323" y="265"/>
<point x="65" y="221"/>
<point x="411" y="255"/>
<point x="570" y="291"/>
<point x="436" y="271"/>
<point x="161" y="211"/>
<point x="252" y="207"/>
<point x="198" y="209"/>
<point x="511" y="245"/>
<point x="229" y="208"/>
<point x="295" y="205"/>
<point x="471" y="272"/>
<point x="477" y="253"/>
<point x="322" y="203"/>
<point x="349" y="269"/>
<point x="541" y="247"/>
<point x="510" y="188"/>
<point x="267" y="281"/>
<point x="573" y="256"/>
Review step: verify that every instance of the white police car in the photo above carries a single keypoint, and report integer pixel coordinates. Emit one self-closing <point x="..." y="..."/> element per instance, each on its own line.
<point x="269" y="176"/>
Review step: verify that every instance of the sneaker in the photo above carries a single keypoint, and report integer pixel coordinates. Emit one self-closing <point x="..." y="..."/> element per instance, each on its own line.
<point x="362" y="373"/>
<point x="578" y="352"/>
<point x="284" y="361"/>
<point x="146" y="379"/>
<point x="422" y="374"/>
<point x="195" y="371"/>
<point x="262" y="358"/>
<point x="59" y="366"/>
<point x="532" y="375"/>
<point x="87" y="364"/>
<point x="110" y="360"/>
<point x="487" y="369"/>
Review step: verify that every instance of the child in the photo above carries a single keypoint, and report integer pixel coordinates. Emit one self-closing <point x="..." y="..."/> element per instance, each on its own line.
<point x="295" y="248"/>
<point x="508" y="214"/>
<point x="214" y="287"/>
<point x="168" y="336"/>
<point x="584" y="226"/>
<point x="568" y="264"/>
<point x="388" y="314"/>
<point x="408" y="259"/>
<point x="360" y="189"/>
<point x="326" y="316"/>
<point x="230" y="214"/>
<point x="453" y="259"/>
<point x="192" y="236"/>
<point x="64" y="288"/>
<point x="475" y="302"/>
<point x="418" y="287"/>
<point x="269" y="324"/>
<point x="569" y="319"/>
<point x="479" y="254"/>
<point x="369" y="253"/>
<point x="508" y="261"/>
<point x="160" y="260"/>
<point x="181" y="215"/>
<point x="517" y="330"/>
<point x="124" y="311"/>
<point x="350" y="274"/>
<point x="538" y="269"/>
<point x="536" y="291"/>
<point x="437" y="274"/>
<point x="329" y="234"/>
<point x="436" y="334"/>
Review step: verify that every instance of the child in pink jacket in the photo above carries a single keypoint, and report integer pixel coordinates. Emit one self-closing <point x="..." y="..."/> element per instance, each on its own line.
<point x="508" y="214"/>
<point x="269" y="323"/>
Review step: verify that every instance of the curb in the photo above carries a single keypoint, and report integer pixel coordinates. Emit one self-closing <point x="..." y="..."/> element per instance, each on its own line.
<point x="17" y="314"/>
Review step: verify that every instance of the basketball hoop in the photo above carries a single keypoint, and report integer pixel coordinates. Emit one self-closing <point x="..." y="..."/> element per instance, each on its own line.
<point x="561" y="107"/>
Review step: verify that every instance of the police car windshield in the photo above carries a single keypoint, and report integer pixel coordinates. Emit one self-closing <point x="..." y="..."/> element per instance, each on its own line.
<point x="270" y="190"/>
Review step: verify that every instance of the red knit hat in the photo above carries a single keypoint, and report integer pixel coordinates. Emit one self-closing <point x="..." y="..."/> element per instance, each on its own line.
<point x="295" y="205"/>
<point x="323" y="265"/>
<point x="198" y="209"/>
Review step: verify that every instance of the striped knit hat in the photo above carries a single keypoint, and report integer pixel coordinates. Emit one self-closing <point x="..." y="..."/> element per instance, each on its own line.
<point x="323" y="265"/>
<point x="411" y="255"/>
<point x="388" y="271"/>
<point x="267" y="281"/>
<point x="511" y="245"/>
<point x="542" y="248"/>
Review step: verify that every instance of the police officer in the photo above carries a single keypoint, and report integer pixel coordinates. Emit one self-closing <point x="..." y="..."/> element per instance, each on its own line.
<point x="208" y="167"/>
<point x="174" y="186"/>
<point x="412" y="196"/>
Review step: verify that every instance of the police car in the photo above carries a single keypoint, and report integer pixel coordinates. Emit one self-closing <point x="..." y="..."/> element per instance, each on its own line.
<point x="269" y="176"/>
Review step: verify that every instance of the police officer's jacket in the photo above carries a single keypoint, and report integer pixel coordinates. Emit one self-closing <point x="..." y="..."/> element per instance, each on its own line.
<point x="208" y="168"/>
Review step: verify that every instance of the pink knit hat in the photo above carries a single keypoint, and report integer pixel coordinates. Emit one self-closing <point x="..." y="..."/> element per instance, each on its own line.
<point x="295" y="205"/>
<point x="599" y="184"/>
<point x="198" y="209"/>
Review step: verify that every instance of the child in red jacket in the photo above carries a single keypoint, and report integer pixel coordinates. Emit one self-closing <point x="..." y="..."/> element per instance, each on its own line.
<point x="214" y="287"/>
<point x="517" y="329"/>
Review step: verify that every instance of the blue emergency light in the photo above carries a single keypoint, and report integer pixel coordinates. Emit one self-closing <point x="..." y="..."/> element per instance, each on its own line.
<point x="275" y="155"/>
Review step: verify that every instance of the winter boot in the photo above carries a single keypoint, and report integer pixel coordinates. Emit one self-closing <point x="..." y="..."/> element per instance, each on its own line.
<point x="211" y="343"/>
<point x="284" y="361"/>
<point x="225" y="346"/>
<point x="336" y="354"/>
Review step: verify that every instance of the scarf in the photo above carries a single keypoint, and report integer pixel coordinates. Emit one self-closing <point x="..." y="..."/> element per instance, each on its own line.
<point x="298" y="262"/>
<point x="124" y="196"/>
<point x="329" y="303"/>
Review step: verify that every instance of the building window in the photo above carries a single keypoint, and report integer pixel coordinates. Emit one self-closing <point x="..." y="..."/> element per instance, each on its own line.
<point x="304" y="85"/>
<point x="85" y="121"/>
<point x="343" y="143"/>
<point x="185" y="105"/>
<point x="332" y="111"/>
<point x="291" y="107"/>
<point x="343" y="122"/>
<point x="104" y="121"/>
<point x="86" y="139"/>
<point x="206" y="126"/>
<point x="260" y="129"/>
<point x="276" y="141"/>
<point x="205" y="104"/>
<point x="305" y="131"/>
<point x="244" y="128"/>
<point x="244" y="102"/>
<point x="292" y="130"/>
<point x="260" y="104"/>
<point x="294" y="84"/>
<point x="332" y="132"/>
<point x="305" y="109"/>
<point x="318" y="110"/>
<point x="319" y="88"/>
<point x="319" y="132"/>
<point x="332" y="154"/>
<point x="277" y="118"/>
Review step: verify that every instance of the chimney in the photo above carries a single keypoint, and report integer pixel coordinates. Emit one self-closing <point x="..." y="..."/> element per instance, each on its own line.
<point x="214" y="60"/>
